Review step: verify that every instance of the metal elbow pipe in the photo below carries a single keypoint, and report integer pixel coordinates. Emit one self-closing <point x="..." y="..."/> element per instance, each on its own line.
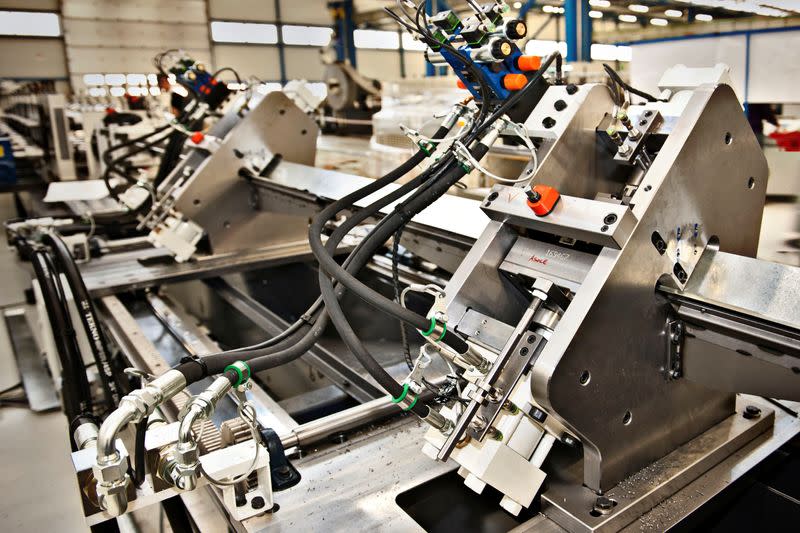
<point x="110" y="469"/>
<point x="185" y="467"/>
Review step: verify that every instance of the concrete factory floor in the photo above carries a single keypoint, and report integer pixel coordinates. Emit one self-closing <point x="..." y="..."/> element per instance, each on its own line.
<point x="38" y="484"/>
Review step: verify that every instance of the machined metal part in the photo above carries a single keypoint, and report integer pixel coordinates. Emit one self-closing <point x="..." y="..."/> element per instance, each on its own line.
<point x="618" y="294"/>
<point x="570" y="504"/>
<point x="592" y="221"/>
<point x="468" y="421"/>
<point x="633" y="146"/>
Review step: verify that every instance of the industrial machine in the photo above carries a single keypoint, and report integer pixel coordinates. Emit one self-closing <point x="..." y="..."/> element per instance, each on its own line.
<point x="591" y="347"/>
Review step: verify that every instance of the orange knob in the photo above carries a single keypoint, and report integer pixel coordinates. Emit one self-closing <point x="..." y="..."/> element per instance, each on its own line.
<point x="542" y="199"/>
<point x="529" y="63"/>
<point x="197" y="137"/>
<point x="514" y="82"/>
<point x="461" y="84"/>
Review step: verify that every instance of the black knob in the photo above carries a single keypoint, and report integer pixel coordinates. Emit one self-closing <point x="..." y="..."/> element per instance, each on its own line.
<point x="572" y="88"/>
<point x="501" y="48"/>
<point x="560" y="105"/>
<point x="516" y="29"/>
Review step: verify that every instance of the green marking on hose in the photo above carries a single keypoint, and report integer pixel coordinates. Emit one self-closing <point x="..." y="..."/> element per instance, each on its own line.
<point x="433" y="327"/>
<point x="235" y="367"/>
<point x="238" y="373"/>
<point x="444" y="330"/>
<point x="411" y="406"/>
<point x="402" y="396"/>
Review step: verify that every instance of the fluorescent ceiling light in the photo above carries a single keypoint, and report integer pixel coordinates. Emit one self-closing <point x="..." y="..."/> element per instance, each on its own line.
<point x="658" y="22"/>
<point x="703" y="17"/>
<point x="379" y="39"/>
<point x="674" y="13"/>
<point x="628" y="18"/>
<point x="638" y="8"/>
<point x="306" y="35"/>
<point x="767" y="8"/>
<point x="600" y="3"/>
<point x="596" y="14"/>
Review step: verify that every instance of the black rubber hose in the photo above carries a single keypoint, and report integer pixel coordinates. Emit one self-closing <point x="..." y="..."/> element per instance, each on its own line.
<point x="113" y="385"/>
<point x="111" y="164"/>
<point x="294" y="347"/>
<point x="285" y="347"/>
<point x="138" y="472"/>
<point x="74" y="383"/>
<point x="380" y="235"/>
<point x="333" y="308"/>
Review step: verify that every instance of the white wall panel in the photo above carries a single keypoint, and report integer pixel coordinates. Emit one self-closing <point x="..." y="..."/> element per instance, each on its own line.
<point x="415" y="64"/>
<point x="380" y="64"/>
<point x="774" y="67"/>
<point x="250" y="60"/>
<point x="305" y="12"/>
<point x="303" y="63"/>
<point x="257" y="10"/>
<point x="650" y="60"/>
<point x="43" y="5"/>
<point x="81" y="32"/>
<point x="180" y="11"/>
<point x="119" y="60"/>
<point x="32" y="58"/>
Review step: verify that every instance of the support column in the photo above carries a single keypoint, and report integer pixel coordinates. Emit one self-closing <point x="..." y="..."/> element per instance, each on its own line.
<point x="344" y="26"/>
<point x="578" y="30"/>
<point x="281" y="45"/>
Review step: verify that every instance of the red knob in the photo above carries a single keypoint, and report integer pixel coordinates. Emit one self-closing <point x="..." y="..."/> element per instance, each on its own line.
<point x="542" y="199"/>
<point x="197" y="137"/>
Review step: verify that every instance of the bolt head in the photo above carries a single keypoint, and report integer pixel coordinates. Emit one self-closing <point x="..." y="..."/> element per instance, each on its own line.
<point x="751" y="411"/>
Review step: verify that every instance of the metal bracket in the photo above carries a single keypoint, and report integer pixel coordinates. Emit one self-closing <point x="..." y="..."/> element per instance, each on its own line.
<point x="648" y="122"/>
<point x="675" y="333"/>
<point x="284" y="474"/>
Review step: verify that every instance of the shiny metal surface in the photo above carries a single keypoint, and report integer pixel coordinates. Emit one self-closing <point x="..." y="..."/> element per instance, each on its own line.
<point x="562" y="265"/>
<point x="569" y="503"/>
<point x="592" y="221"/>
<point x="355" y="485"/>
<point x="134" y="270"/>
<point x="218" y="199"/>
<point x="759" y="289"/>
<point x="618" y="296"/>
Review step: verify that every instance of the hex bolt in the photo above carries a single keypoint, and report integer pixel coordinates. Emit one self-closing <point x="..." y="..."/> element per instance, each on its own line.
<point x="604" y="504"/>
<point x="633" y="133"/>
<point x="751" y="411"/>
<point x="258" y="502"/>
<point x="533" y="196"/>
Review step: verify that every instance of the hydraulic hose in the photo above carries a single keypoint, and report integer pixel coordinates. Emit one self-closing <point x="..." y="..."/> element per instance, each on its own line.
<point x="75" y="385"/>
<point x="269" y="353"/>
<point x="334" y="310"/>
<point x="113" y="386"/>
<point x="292" y="347"/>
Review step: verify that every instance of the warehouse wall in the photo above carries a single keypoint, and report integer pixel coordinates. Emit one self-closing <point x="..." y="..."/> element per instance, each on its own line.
<point x="111" y="37"/>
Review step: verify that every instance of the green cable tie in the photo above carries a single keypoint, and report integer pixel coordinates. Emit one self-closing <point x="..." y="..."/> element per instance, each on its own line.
<point x="238" y="373"/>
<point x="444" y="330"/>
<point x="235" y="367"/>
<point x="411" y="406"/>
<point x="402" y="396"/>
<point x="433" y="327"/>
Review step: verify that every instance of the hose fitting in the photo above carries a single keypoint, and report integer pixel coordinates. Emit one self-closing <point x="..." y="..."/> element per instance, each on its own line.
<point x="110" y="468"/>
<point x="183" y="470"/>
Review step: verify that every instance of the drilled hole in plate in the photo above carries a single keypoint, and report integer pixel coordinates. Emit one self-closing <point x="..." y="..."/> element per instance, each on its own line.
<point x="627" y="417"/>
<point x="728" y="137"/>
<point x="196" y="201"/>
<point x="751" y="182"/>
<point x="585" y="378"/>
